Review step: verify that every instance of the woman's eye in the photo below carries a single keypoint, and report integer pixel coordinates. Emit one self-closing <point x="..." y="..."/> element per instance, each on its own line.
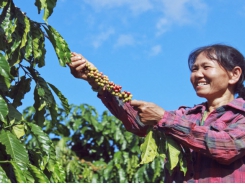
<point x="206" y="67"/>
<point x="194" y="69"/>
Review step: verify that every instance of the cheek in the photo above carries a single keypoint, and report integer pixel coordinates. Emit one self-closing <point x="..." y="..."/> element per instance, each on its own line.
<point x="192" y="79"/>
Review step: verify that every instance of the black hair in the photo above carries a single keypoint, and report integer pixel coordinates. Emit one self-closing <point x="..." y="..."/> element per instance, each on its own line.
<point x="228" y="57"/>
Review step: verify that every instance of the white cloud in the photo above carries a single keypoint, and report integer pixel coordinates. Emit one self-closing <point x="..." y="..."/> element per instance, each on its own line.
<point x="136" y="6"/>
<point x="167" y="14"/>
<point x="155" y="50"/>
<point x="162" y="25"/>
<point x="125" y="39"/>
<point x="181" y="12"/>
<point x="102" y="37"/>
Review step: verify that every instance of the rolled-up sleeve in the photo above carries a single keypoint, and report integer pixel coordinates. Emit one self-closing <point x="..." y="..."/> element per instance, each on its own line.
<point x="125" y="113"/>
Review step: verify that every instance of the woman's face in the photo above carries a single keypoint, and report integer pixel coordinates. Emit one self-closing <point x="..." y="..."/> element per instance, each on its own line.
<point x="209" y="79"/>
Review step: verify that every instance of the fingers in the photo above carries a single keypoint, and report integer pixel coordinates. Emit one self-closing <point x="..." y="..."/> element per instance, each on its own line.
<point x="78" y="62"/>
<point x="137" y="103"/>
<point x="76" y="58"/>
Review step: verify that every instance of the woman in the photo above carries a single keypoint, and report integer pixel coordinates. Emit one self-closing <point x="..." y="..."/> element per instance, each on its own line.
<point x="214" y="131"/>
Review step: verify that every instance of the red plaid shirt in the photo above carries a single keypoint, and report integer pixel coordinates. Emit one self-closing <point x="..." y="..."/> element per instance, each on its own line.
<point x="217" y="148"/>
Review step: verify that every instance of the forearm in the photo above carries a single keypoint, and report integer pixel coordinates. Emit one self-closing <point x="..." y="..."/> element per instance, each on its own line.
<point x="124" y="112"/>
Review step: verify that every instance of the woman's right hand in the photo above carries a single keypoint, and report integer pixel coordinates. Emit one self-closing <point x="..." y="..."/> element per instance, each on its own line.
<point x="77" y="65"/>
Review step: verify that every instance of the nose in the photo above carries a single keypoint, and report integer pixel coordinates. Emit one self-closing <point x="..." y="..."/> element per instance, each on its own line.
<point x="198" y="73"/>
<point x="195" y="75"/>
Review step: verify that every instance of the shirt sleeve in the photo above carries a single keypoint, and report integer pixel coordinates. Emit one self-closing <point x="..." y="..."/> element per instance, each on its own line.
<point x="125" y="113"/>
<point x="224" y="143"/>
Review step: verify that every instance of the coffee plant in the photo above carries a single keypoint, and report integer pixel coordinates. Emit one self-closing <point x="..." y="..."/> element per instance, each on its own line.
<point x="96" y="148"/>
<point x="84" y="147"/>
<point x="22" y="51"/>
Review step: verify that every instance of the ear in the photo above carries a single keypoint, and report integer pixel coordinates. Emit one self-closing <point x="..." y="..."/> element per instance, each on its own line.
<point x="235" y="75"/>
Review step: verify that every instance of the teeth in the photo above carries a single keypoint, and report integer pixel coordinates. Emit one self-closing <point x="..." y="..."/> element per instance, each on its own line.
<point x="201" y="84"/>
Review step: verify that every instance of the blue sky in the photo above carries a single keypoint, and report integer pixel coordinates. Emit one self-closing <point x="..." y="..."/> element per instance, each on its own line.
<point x="142" y="45"/>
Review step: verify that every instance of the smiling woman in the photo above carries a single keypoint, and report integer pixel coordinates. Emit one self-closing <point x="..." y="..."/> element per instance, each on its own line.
<point x="211" y="133"/>
<point x="216" y="74"/>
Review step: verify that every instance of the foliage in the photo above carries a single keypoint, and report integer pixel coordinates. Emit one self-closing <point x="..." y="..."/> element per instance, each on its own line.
<point x="157" y="144"/>
<point x="22" y="50"/>
<point x="95" y="148"/>
<point x="85" y="147"/>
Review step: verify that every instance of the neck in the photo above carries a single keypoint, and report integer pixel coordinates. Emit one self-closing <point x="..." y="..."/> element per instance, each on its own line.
<point x="218" y="102"/>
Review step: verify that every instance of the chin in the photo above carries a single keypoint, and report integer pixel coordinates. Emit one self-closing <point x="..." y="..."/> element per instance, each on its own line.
<point x="201" y="95"/>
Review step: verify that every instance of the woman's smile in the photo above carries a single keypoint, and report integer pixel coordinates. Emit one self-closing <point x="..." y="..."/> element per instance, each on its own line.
<point x="209" y="79"/>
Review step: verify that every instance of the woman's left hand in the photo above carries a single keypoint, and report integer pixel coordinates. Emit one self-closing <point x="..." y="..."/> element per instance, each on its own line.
<point x="149" y="113"/>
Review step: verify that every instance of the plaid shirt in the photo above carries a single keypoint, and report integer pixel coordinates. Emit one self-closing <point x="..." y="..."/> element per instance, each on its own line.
<point x="217" y="148"/>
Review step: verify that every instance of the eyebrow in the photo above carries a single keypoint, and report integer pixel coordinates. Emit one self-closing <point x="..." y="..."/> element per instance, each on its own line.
<point x="204" y="63"/>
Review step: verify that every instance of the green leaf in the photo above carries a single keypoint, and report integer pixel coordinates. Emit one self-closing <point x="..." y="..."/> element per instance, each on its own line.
<point x="44" y="92"/>
<point x="26" y="31"/>
<point x="3" y="177"/>
<point x="38" y="45"/>
<point x="148" y="149"/>
<point x="44" y="99"/>
<point x="15" y="149"/>
<point x="3" y="3"/>
<point x="39" y="5"/>
<point x="28" y="48"/>
<point x="43" y="139"/>
<point x="38" y="175"/>
<point x="19" y="174"/>
<point x="122" y="176"/>
<point x="157" y="166"/>
<point x="90" y="119"/>
<point x="53" y="109"/>
<point x="108" y="170"/>
<point x="56" y="169"/>
<point x="5" y="70"/>
<point x="62" y="98"/>
<point x="61" y="47"/>
<point x="174" y="151"/>
<point x="8" y="25"/>
<point x="23" y="26"/>
<point x="14" y="55"/>
<point x="47" y="5"/>
<point x="19" y="130"/>
<point x="22" y="176"/>
<point x="40" y="91"/>
<point x="44" y="145"/>
<point x="63" y="130"/>
<point x="161" y="143"/>
<point x="3" y="110"/>
<point x="14" y="115"/>
<point x="3" y="85"/>
<point x="38" y="105"/>
<point x="18" y="91"/>
<point x="183" y="164"/>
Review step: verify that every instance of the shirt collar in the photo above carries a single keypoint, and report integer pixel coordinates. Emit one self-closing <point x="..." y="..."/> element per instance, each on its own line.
<point x="197" y="108"/>
<point x="237" y="103"/>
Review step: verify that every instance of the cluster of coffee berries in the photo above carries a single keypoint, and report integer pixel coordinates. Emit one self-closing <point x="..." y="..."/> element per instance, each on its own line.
<point x="104" y="83"/>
